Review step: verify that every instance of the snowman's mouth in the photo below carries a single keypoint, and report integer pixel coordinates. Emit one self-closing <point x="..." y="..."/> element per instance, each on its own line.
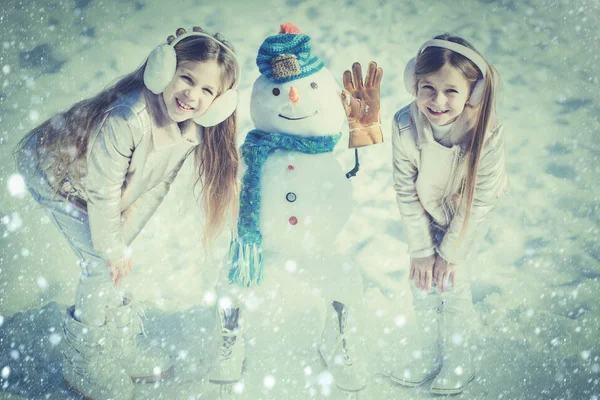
<point x="296" y="119"/>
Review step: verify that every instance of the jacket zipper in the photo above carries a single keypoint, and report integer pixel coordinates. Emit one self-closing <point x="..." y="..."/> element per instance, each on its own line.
<point x="450" y="185"/>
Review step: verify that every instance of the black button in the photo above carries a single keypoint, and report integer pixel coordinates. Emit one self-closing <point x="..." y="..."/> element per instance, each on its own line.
<point x="291" y="197"/>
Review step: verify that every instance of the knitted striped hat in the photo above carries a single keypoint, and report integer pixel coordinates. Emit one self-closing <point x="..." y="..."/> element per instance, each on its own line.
<point x="286" y="56"/>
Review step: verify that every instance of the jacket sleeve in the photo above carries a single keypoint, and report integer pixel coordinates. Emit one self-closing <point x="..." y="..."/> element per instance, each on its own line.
<point x="416" y="220"/>
<point x="491" y="185"/>
<point x="138" y="214"/>
<point x="109" y="155"/>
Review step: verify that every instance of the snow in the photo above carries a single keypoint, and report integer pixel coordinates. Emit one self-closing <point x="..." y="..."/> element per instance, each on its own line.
<point x="16" y="186"/>
<point x="536" y="288"/>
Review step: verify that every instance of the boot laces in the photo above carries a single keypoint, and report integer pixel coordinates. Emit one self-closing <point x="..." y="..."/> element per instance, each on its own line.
<point x="347" y="358"/>
<point x="229" y="339"/>
<point x="348" y="362"/>
<point x="139" y="315"/>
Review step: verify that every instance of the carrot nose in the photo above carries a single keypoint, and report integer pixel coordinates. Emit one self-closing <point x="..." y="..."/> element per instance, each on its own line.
<point x="293" y="94"/>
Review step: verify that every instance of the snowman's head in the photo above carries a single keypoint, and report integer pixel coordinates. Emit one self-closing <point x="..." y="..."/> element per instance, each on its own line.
<point x="306" y="106"/>
<point x="295" y="93"/>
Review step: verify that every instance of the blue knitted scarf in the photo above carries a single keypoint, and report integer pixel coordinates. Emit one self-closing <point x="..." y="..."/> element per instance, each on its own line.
<point x="245" y="253"/>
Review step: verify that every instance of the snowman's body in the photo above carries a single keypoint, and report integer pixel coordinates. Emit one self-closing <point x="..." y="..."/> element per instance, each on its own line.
<point x="306" y="201"/>
<point x="305" y="198"/>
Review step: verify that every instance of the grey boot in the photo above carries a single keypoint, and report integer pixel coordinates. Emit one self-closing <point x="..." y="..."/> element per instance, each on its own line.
<point x="457" y="370"/>
<point x="89" y="368"/>
<point x="425" y="361"/>
<point x="231" y="349"/>
<point x="142" y="361"/>
<point x="337" y="353"/>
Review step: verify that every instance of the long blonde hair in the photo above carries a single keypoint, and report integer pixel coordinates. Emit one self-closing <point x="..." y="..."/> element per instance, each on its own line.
<point x="431" y="60"/>
<point x="62" y="140"/>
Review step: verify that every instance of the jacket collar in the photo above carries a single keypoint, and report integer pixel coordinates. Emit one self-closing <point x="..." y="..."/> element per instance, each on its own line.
<point x="191" y="132"/>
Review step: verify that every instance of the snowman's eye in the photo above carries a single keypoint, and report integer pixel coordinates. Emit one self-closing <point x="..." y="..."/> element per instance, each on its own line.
<point x="276" y="92"/>
<point x="314" y="85"/>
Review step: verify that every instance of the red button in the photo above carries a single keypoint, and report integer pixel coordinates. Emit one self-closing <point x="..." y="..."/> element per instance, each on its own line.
<point x="291" y="167"/>
<point x="293" y="220"/>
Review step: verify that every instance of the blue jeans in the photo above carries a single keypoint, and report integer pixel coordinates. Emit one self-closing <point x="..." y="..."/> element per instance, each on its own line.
<point x="95" y="291"/>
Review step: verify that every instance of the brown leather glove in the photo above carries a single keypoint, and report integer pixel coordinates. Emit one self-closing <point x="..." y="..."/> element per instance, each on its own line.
<point x="361" y="103"/>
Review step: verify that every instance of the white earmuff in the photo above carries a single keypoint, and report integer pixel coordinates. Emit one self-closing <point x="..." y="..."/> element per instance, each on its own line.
<point x="220" y="109"/>
<point x="409" y="77"/>
<point x="476" y="93"/>
<point x="160" y="70"/>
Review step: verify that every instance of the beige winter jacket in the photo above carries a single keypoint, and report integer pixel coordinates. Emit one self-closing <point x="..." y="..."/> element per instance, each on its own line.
<point x="428" y="178"/>
<point x="133" y="157"/>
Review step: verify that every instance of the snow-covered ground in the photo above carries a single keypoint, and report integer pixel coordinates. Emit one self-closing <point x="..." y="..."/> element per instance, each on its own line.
<point x="537" y="282"/>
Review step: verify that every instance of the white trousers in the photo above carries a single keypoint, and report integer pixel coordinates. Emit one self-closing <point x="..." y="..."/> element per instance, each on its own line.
<point x="95" y="291"/>
<point x="455" y="303"/>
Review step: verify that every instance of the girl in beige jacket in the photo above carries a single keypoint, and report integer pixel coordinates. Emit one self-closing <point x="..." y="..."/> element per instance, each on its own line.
<point x="102" y="168"/>
<point x="449" y="173"/>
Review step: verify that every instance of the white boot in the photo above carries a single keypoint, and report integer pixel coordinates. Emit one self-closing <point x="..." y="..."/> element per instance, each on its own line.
<point x="457" y="370"/>
<point x="425" y="361"/>
<point x="231" y="350"/>
<point x="337" y="353"/>
<point x="142" y="361"/>
<point x="89" y="369"/>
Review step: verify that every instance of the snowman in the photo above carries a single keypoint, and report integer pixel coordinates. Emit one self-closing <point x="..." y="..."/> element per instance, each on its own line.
<point x="294" y="200"/>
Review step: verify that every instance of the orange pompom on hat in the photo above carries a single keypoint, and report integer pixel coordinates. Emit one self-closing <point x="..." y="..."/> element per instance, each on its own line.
<point x="288" y="27"/>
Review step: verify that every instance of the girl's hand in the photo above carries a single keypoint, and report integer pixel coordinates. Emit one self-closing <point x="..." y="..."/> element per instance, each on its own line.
<point x="119" y="268"/>
<point x="421" y="270"/>
<point x="443" y="273"/>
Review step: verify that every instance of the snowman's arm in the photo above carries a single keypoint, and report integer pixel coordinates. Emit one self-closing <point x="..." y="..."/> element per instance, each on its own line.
<point x="416" y="220"/>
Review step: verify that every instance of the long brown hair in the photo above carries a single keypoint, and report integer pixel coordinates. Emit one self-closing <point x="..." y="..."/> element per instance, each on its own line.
<point x="431" y="60"/>
<point x="62" y="140"/>
<point x="217" y="160"/>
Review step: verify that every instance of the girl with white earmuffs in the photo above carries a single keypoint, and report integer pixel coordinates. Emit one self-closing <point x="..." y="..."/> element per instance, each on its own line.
<point x="102" y="168"/>
<point x="449" y="173"/>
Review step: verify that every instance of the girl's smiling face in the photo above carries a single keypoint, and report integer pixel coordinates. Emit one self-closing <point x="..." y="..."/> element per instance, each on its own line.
<point x="192" y="89"/>
<point x="442" y="95"/>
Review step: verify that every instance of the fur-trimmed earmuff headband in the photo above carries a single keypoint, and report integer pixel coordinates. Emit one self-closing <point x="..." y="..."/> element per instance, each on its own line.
<point x="160" y="70"/>
<point x="476" y="94"/>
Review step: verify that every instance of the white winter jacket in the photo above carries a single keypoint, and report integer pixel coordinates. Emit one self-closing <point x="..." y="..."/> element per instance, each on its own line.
<point x="428" y="180"/>
<point x="133" y="157"/>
